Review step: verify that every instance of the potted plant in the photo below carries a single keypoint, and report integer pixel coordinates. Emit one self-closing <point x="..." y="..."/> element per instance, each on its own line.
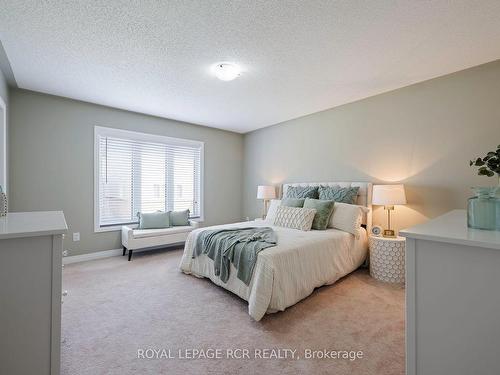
<point x="483" y="210"/>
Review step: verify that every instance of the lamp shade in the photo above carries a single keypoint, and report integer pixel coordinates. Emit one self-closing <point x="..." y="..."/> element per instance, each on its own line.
<point x="266" y="192"/>
<point x="388" y="195"/>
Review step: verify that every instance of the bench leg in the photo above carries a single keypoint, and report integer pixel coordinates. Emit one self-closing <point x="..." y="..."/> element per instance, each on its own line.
<point x="130" y="255"/>
<point x="124" y="250"/>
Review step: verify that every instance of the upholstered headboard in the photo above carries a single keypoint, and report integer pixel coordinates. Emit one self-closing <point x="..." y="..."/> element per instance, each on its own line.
<point x="364" y="194"/>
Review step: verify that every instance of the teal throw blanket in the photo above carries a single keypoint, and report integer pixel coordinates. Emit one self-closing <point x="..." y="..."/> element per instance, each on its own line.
<point x="238" y="246"/>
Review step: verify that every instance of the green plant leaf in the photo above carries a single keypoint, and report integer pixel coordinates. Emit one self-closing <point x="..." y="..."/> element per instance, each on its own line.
<point x="489" y="165"/>
<point x="493" y="166"/>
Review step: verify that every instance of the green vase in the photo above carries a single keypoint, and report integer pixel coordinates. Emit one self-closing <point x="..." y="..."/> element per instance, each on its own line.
<point x="483" y="210"/>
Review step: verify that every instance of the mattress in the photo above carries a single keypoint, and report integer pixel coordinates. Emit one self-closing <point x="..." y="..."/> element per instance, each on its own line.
<point x="288" y="272"/>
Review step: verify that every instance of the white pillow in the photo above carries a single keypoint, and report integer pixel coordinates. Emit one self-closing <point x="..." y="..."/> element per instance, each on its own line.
<point x="271" y="213"/>
<point x="347" y="217"/>
<point x="294" y="217"/>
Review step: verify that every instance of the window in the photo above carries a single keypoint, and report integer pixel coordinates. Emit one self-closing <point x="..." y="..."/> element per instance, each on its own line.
<point x="137" y="172"/>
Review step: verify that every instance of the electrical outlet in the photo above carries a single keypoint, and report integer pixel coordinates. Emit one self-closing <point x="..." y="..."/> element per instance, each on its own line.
<point x="76" y="236"/>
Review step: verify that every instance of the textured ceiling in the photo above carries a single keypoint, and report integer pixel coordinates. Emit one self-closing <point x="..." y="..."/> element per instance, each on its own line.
<point x="299" y="57"/>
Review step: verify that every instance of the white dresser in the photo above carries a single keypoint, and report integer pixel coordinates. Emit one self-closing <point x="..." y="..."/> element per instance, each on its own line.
<point x="452" y="298"/>
<point x="31" y="245"/>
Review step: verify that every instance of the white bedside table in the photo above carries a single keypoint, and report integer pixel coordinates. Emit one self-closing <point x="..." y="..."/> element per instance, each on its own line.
<point x="387" y="259"/>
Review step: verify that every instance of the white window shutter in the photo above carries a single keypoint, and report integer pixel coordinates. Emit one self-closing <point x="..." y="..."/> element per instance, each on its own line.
<point x="136" y="175"/>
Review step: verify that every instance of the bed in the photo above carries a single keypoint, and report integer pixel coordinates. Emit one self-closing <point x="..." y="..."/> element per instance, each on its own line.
<point x="289" y="272"/>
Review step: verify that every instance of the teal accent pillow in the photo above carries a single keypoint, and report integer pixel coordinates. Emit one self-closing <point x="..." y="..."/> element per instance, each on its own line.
<point x="154" y="220"/>
<point x="324" y="210"/>
<point x="302" y="192"/>
<point x="293" y="202"/>
<point x="179" y="218"/>
<point x="339" y="194"/>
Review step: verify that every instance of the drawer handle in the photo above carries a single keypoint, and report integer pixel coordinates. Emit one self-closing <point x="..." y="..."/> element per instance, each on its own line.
<point x="65" y="293"/>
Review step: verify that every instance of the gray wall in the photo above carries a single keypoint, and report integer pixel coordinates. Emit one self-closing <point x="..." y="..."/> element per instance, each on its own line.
<point x="51" y="162"/>
<point x="422" y="135"/>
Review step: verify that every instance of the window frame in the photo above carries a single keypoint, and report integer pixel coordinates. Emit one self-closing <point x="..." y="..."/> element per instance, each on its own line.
<point x="100" y="131"/>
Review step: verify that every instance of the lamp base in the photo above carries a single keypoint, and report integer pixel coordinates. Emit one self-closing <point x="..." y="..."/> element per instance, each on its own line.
<point x="264" y="212"/>
<point x="389" y="233"/>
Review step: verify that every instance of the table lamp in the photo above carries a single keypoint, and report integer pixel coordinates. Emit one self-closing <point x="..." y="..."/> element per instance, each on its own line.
<point x="265" y="193"/>
<point x="388" y="196"/>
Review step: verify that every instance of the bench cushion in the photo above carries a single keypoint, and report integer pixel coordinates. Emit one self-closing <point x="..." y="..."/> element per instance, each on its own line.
<point x="145" y="233"/>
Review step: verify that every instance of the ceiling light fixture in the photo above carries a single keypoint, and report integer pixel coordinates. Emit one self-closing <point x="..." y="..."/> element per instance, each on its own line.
<point x="226" y="71"/>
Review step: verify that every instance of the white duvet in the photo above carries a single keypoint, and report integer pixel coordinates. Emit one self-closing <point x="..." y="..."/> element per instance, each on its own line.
<point x="288" y="272"/>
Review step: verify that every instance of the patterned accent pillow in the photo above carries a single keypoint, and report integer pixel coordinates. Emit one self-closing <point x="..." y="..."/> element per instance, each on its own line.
<point x="294" y="217"/>
<point x="302" y="192"/>
<point x="339" y="194"/>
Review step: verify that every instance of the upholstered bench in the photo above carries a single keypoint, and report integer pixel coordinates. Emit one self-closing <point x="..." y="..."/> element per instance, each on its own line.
<point x="142" y="239"/>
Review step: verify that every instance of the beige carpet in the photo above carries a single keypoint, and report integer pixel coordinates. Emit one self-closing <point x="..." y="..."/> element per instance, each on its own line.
<point x="115" y="307"/>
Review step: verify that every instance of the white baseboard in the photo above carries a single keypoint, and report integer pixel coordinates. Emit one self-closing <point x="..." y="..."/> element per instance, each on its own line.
<point x="92" y="256"/>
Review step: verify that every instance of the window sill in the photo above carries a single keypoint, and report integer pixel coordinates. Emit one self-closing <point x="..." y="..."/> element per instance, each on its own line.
<point x="114" y="228"/>
<point x="118" y="228"/>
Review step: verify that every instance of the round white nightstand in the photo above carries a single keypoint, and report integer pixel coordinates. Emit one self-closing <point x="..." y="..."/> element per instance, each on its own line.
<point x="387" y="259"/>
